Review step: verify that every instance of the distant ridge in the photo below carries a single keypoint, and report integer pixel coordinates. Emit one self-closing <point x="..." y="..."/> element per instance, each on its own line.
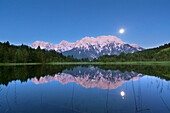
<point x="161" y="53"/>
<point x="90" y="47"/>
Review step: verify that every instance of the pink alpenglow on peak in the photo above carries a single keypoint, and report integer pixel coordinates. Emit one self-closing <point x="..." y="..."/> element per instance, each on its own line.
<point x="134" y="45"/>
<point x="109" y="38"/>
<point x="43" y="45"/>
<point x="90" y="47"/>
<point x="65" y="43"/>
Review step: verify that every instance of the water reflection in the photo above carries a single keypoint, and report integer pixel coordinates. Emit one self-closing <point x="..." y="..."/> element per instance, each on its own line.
<point x="91" y="77"/>
<point x="84" y="89"/>
<point x="122" y="93"/>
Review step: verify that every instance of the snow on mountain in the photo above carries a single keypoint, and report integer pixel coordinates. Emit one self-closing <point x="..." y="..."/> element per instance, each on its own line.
<point x="43" y="45"/>
<point x="90" y="47"/>
<point x="136" y="46"/>
<point x="63" y="46"/>
<point x="99" y="41"/>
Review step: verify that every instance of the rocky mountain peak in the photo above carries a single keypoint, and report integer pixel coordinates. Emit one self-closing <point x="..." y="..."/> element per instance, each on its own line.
<point x="90" y="47"/>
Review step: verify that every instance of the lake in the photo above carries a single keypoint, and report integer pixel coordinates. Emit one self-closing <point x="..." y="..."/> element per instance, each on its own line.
<point x="84" y="89"/>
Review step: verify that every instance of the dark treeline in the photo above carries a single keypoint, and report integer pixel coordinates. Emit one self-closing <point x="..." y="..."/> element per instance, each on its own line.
<point x="154" y="70"/>
<point x="24" y="54"/>
<point x="161" y="53"/>
<point x="23" y="73"/>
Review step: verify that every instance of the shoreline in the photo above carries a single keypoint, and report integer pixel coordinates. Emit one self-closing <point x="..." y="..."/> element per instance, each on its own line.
<point x="93" y="63"/>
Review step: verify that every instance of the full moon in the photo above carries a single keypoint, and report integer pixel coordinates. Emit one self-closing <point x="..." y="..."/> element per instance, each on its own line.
<point x="121" y="31"/>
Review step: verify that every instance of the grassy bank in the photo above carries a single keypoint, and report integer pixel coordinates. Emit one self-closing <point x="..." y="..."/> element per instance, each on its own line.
<point x="94" y="63"/>
<point x="114" y="63"/>
<point x="15" y="64"/>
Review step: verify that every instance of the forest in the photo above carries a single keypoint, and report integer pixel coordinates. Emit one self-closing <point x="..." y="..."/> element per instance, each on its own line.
<point x="25" y="54"/>
<point x="23" y="73"/>
<point x="161" y="53"/>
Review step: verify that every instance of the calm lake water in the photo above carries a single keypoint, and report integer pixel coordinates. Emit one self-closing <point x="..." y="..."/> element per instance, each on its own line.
<point x="84" y="89"/>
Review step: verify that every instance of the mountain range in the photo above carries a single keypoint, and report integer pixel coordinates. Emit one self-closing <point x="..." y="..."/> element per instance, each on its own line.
<point x="90" y="47"/>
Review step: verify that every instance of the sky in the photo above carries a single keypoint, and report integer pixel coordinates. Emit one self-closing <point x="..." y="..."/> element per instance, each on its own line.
<point x="146" y="22"/>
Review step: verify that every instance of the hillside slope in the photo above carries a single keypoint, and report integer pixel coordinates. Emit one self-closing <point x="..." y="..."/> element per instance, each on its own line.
<point x="24" y="54"/>
<point x="161" y="53"/>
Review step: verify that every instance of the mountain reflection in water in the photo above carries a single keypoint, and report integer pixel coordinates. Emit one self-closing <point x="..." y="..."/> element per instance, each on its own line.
<point x="91" y="77"/>
<point x="84" y="89"/>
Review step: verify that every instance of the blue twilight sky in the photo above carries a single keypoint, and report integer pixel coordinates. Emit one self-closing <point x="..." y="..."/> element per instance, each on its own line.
<point x="147" y="22"/>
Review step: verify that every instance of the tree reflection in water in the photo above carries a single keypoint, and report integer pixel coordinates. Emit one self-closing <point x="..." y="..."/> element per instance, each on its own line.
<point x="112" y="80"/>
